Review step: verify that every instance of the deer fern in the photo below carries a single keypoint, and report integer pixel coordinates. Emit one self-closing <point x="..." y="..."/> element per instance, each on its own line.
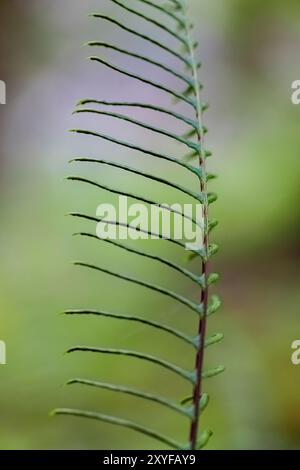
<point x="193" y="162"/>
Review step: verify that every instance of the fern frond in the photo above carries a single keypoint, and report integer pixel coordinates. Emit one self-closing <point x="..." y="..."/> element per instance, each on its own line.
<point x="194" y="277"/>
<point x="134" y="196"/>
<point x="188" y="192"/>
<point x="120" y="422"/>
<point x="184" y="374"/>
<point x="204" y="253"/>
<point x="179" y="96"/>
<point x="152" y="21"/>
<point x="144" y="125"/>
<point x="136" y="393"/>
<point x="129" y="145"/>
<point x="143" y="58"/>
<point x="156" y="288"/>
<point x="175" y="16"/>
<point x="158" y="325"/>
<point x="191" y="137"/>
<point x="150" y="39"/>
<point x="189" y="121"/>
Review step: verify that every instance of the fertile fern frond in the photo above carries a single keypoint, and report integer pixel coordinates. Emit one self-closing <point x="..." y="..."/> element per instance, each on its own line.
<point x="176" y="25"/>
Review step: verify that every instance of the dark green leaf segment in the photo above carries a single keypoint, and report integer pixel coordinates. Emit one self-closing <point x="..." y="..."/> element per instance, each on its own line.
<point x="174" y="21"/>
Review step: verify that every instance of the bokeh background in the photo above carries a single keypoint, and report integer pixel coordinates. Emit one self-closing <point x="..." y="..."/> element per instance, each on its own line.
<point x="250" y="55"/>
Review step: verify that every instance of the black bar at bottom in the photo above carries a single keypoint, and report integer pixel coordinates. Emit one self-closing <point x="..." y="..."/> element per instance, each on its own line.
<point x="132" y="459"/>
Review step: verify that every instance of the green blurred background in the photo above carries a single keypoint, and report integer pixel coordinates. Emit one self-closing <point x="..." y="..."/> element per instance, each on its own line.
<point x="250" y="51"/>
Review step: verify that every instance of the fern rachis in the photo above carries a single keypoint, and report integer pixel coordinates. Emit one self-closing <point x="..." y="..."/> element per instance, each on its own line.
<point x="192" y="407"/>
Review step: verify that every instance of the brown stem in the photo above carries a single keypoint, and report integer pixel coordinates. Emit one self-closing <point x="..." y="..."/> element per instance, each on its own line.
<point x="199" y="368"/>
<point x="204" y="293"/>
